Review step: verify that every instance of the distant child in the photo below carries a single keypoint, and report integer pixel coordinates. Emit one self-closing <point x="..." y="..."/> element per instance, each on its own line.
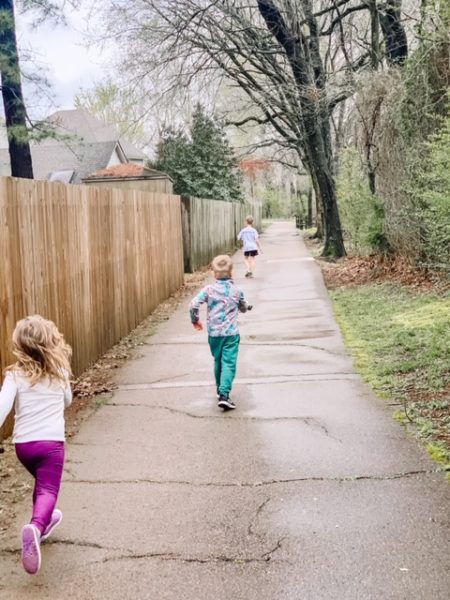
<point x="249" y="236"/>
<point x="38" y="386"/>
<point x="224" y="299"/>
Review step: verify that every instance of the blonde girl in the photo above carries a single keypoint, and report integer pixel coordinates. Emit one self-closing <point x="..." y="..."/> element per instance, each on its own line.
<point x="38" y="387"/>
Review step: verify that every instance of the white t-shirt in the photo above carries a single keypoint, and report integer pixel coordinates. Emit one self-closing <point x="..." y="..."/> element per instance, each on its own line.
<point x="249" y="235"/>
<point x="39" y="408"/>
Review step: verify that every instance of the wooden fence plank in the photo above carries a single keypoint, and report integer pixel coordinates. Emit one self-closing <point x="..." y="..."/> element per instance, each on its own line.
<point x="95" y="261"/>
<point x="210" y="227"/>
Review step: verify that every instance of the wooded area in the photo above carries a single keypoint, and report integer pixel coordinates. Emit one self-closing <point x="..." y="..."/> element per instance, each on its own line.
<point x="353" y="92"/>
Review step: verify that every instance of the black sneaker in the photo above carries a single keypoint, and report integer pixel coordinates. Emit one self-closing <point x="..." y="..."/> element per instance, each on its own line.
<point x="226" y="403"/>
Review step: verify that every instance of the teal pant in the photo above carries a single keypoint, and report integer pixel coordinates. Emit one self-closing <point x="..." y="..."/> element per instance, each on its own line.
<point x="225" y="351"/>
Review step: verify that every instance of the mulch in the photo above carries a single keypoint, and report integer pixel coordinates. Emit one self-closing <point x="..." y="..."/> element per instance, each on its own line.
<point x="353" y="271"/>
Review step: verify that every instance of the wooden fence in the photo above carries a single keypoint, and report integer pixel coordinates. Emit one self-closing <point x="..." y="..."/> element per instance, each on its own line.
<point x="210" y="227"/>
<point x="95" y="261"/>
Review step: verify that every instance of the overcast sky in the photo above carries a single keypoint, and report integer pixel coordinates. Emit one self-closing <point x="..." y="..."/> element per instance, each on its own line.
<point x="62" y="55"/>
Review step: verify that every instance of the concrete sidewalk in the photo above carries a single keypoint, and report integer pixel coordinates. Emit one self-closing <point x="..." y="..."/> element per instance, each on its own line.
<point x="308" y="491"/>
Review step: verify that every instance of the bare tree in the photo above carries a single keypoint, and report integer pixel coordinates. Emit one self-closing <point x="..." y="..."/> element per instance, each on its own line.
<point x="295" y="60"/>
<point x="272" y="51"/>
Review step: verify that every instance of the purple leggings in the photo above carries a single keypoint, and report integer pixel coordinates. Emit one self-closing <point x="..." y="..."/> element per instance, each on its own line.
<point x="45" y="461"/>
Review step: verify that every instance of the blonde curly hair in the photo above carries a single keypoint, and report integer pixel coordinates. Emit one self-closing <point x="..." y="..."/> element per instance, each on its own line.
<point x="40" y="350"/>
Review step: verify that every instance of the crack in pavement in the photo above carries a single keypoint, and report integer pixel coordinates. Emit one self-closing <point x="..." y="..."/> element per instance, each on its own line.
<point x="5" y="552"/>
<point x="221" y="558"/>
<point x="264" y="301"/>
<point x="256" y="484"/>
<point x="53" y="542"/>
<point x="278" y="379"/>
<point x="311" y="421"/>
<point x="167" y="556"/>
<point x="251" y="525"/>
<point x="164" y="379"/>
<point x="263" y="344"/>
<point x="298" y="345"/>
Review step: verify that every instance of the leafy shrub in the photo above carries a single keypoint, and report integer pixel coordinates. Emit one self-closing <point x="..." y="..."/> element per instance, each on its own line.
<point x="271" y="207"/>
<point x="362" y="212"/>
<point x="430" y="192"/>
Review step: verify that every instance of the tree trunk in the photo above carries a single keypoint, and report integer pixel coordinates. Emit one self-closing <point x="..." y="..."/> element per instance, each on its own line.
<point x="394" y="33"/>
<point x="319" y="235"/>
<point x="375" y="35"/>
<point x="334" y="244"/>
<point x="303" y="54"/>
<point x="320" y="162"/>
<point x="310" y="205"/>
<point x="371" y="176"/>
<point x="15" y="113"/>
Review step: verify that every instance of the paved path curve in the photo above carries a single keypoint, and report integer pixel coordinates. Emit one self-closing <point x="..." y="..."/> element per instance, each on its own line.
<point x="309" y="491"/>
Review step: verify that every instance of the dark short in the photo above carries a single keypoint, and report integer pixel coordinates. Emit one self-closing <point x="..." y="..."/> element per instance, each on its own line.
<point x="251" y="253"/>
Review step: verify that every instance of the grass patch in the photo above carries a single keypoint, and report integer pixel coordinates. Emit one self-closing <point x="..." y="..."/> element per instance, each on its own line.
<point x="400" y="341"/>
<point x="265" y="224"/>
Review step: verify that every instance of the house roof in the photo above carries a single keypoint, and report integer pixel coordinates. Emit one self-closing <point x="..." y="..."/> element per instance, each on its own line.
<point x="88" y="128"/>
<point x="80" y="157"/>
<point x="83" y="158"/>
<point x="128" y="170"/>
<point x="88" y="146"/>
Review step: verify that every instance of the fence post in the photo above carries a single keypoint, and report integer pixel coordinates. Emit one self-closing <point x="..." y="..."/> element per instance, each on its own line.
<point x="186" y="208"/>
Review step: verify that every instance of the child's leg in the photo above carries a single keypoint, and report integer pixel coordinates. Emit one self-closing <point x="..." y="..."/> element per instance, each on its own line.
<point x="247" y="260"/>
<point x="45" y="461"/>
<point x="252" y="264"/>
<point x="215" y="345"/>
<point x="230" y="351"/>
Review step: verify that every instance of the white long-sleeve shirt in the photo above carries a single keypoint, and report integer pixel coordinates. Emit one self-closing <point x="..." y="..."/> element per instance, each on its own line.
<point x="39" y="408"/>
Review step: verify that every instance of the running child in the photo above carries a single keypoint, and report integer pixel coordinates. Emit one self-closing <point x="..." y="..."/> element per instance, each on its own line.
<point x="249" y="236"/>
<point x="224" y="300"/>
<point x="37" y="385"/>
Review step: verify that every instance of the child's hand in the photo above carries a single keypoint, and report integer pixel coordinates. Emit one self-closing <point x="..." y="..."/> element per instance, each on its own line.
<point x="198" y="326"/>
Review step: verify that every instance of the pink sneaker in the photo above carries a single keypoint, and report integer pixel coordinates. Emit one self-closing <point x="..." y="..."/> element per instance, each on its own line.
<point x="54" y="522"/>
<point x="31" y="552"/>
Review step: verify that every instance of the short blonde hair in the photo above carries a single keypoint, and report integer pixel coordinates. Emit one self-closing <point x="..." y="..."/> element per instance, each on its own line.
<point x="222" y="266"/>
<point x="249" y="219"/>
<point x="40" y="350"/>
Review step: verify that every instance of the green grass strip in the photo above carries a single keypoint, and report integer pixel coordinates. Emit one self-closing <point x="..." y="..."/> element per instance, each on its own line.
<point x="400" y="342"/>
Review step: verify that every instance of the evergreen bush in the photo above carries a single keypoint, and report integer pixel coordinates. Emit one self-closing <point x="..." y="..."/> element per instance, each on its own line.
<point x="201" y="164"/>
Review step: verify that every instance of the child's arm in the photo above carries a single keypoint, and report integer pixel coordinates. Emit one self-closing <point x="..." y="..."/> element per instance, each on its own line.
<point x="243" y="305"/>
<point x="257" y="242"/>
<point x="194" y="308"/>
<point x="7" y="396"/>
<point x="67" y="395"/>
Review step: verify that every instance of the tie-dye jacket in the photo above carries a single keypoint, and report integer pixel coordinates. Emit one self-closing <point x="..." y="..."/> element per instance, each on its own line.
<point x="224" y="299"/>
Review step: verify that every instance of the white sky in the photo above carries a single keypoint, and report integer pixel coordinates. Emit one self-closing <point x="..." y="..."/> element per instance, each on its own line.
<point x="61" y="53"/>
